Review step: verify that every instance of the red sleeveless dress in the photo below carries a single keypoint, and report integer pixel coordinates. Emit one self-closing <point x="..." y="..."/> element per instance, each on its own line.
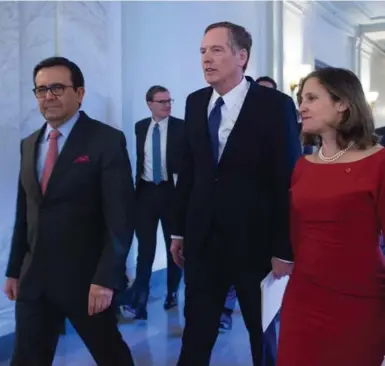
<point x="333" y="311"/>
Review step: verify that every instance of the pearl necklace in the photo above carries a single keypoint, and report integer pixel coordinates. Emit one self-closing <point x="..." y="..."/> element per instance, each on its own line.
<point x="335" y="156"/>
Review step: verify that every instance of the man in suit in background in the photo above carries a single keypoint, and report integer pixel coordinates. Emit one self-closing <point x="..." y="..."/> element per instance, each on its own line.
<point x="266" y="81"/>
<point x="158" y="140"/>
<point x="232" y="196"/>
<point x="382" y="141"/>
<point x="226" y="322"/>
<point x="74" y="225"/>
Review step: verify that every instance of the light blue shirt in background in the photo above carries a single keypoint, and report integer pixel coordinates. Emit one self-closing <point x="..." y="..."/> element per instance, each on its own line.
<point x="65" y="130"/>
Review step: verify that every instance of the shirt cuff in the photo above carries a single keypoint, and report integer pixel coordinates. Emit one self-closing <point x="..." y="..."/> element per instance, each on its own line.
<point x="176" y="237"/>
<point x="283" y="260"/>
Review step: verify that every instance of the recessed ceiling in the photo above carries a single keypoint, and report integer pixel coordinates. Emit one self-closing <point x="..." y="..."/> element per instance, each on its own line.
<point x="361" y="12"/>
<point x="374" y="10"/>
<point x="370" y="15"/>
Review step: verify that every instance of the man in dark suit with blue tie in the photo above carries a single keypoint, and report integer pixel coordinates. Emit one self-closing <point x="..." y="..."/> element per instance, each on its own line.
<point x="232" y="198"/>
<point x="158" y="148"/>
<point x="73" y="227"/>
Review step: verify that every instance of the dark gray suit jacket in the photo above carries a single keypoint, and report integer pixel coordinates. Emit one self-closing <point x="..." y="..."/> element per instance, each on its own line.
<point x="79" y="233"/>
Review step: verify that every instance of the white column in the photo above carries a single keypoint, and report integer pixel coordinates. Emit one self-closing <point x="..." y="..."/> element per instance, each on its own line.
<point x="357" y="55"/>
<point x="274" y="38"/>
<point x="262" y="40"/>
<point x="278" y="28"/>
<point x="269" y="39"/>
<point x="309" y="25"/>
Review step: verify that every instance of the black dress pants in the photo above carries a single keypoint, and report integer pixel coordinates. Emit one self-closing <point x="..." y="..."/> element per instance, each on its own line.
<point x="38" y="324"/>
<point x="208" y="279"/>
<point x="153" y="204"/>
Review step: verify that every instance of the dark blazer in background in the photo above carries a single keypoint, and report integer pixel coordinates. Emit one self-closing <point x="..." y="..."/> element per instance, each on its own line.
<point x="173" y="151"/>
<point x="79" y="233"/>
<point x="382" y="141"/>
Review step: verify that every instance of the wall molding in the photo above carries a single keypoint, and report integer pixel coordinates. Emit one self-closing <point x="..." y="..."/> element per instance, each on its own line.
<point x="366" y="46"/>
<point x="295" y="7"/>
<point x="369" y="44"/>
<point x="334" y="17"/>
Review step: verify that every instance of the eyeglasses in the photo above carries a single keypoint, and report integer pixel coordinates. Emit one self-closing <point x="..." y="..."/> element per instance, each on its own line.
<point x="164" y="101"/>
<point x="56" y="89"/>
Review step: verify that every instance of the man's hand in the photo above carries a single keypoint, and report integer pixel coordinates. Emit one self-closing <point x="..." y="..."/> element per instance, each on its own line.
<point x="11" y="287"/>
<point x="176" y="250"/>
<point x="99" y="299"/>
<point x="281" y="268"/>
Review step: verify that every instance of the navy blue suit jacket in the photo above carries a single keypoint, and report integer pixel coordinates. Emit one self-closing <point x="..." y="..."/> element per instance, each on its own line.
<point x="247" y="192"/>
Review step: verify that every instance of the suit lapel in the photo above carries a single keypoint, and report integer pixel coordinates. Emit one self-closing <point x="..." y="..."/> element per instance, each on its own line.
<point x="142" y="142"/>
<point x="74" y="145"/>
<point x="31" y="154"/>
<point x="170" y="143"/>
<point x="202" y="120"/>
<point x="143" y="135"/>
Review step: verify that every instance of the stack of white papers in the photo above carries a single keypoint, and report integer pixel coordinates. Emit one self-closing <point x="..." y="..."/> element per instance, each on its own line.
<point x="272" y="291"/>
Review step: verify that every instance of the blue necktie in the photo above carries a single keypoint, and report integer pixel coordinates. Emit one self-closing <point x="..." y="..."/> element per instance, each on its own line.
<point x="156" y="155"/>
<point x="214" y="123"/>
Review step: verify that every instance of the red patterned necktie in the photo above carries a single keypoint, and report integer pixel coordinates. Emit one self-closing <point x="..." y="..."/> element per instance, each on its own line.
<point x="50" y="159"/>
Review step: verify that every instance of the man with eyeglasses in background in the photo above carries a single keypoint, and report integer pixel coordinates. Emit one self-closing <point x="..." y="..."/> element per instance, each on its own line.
<point x="158" y="148"/>
<point x="73" y="227"/>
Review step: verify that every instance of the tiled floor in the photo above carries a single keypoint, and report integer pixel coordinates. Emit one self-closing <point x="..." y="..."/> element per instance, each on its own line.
<point x="157" y="341"/>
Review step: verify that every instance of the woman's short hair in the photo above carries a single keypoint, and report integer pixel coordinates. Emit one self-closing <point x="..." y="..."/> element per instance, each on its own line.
<point x="357" y="122"/>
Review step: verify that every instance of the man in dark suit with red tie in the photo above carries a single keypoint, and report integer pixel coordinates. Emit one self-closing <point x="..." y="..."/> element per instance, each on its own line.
<point x="232" y="196"/>
<point x="74" y="225"/>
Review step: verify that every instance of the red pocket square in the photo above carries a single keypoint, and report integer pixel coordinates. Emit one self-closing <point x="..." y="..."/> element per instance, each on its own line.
<point x="82" y="159"/>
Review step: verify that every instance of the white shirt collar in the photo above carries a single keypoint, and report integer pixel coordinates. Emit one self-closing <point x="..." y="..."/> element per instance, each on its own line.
<point x="231" y="98"/>
<point x="161" y="122"/>
<point x="65" y="128"/>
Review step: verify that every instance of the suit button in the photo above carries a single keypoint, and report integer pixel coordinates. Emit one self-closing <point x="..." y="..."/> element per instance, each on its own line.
<point x="216" y="180"/>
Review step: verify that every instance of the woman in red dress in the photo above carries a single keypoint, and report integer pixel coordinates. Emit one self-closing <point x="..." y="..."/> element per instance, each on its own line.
<point x="333" y="311"/>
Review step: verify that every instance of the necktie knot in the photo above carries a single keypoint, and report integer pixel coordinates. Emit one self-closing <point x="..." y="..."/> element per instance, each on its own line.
<point x="54" y="135"/>
<point x="219" y="102"/>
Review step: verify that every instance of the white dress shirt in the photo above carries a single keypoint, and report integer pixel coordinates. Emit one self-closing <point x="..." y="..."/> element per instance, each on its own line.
<point x="65" y="129"/>
<point x="148" y="168"/>
<point x="233" y="102"/>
